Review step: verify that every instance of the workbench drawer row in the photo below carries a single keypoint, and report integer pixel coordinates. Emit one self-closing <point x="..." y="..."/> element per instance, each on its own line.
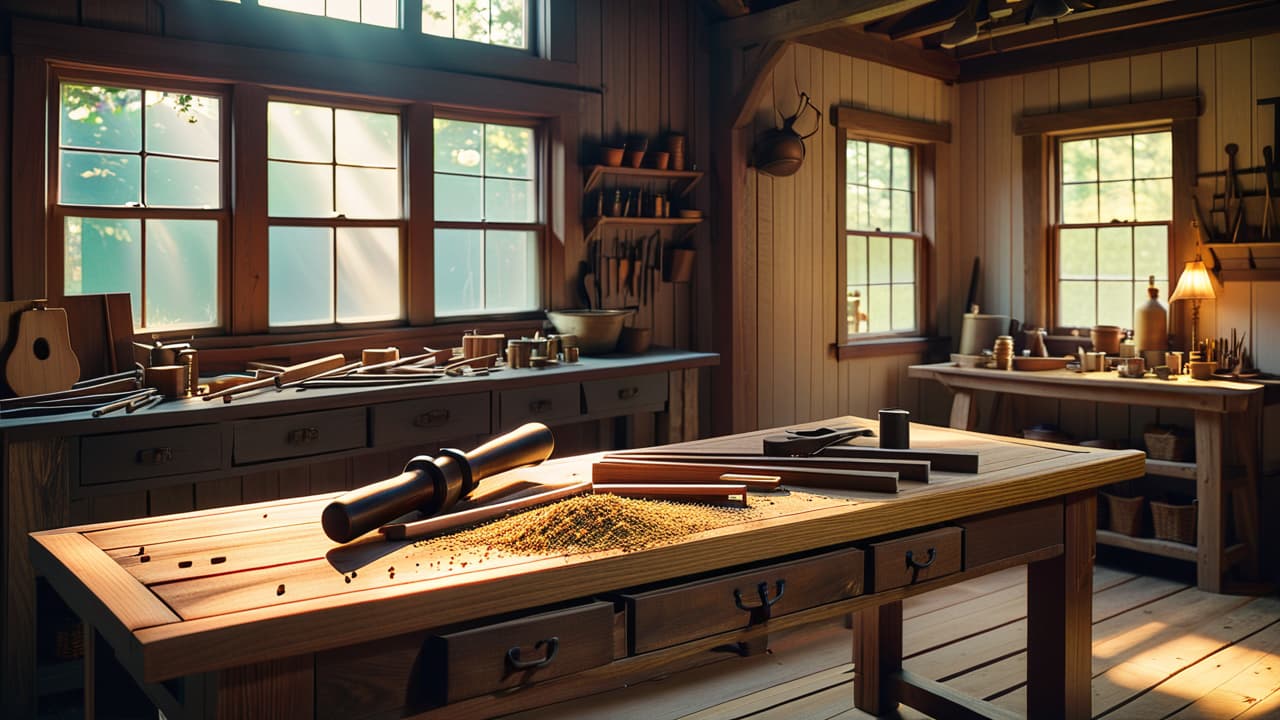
<point x="416" y="672"/>
<point x="194" y="449"/>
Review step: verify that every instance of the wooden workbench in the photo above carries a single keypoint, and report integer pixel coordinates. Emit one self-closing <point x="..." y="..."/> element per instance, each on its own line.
<point x="1226" y="474"/>
<point x="254" y="631"/>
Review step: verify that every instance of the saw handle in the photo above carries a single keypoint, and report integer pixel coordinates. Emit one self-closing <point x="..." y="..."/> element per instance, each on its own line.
<point x="357" y="512"/>
<point x="528" y="444"/>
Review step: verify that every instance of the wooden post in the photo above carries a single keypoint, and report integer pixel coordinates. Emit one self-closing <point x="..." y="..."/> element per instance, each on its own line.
<point x="877" y="658"/>
<point x="964" y="411"/>
<point x="1210" y="535"/>
<point x="1059" y="619"/>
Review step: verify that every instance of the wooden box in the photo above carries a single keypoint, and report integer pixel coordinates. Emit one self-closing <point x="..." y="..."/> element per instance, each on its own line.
<point x="915" y="558"/>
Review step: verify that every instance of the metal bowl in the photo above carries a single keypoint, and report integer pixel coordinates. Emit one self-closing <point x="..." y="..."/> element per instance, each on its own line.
<point x="597" y="330"/>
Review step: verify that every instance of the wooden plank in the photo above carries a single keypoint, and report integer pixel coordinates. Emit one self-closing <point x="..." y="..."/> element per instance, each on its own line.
<point x="866" y="46"/>
<point x="248" y="305"/>
<point x="275" y="688"/>
<point x="1108" y="82"/>
<point x="28" y="210"/>
<point x="877" y="655"/>
<point x="1210" y="528"/>
<point x="892" y="125"/>
<point x="802" y="18"/>
<point x="1116" y="115"/>
<point x="1145" y="81"/>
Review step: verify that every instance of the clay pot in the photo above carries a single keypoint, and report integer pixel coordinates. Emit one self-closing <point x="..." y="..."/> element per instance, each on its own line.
<point x="1106" y="338"/>
<point x="660" y="159"/>
<point x="611" y="156"/>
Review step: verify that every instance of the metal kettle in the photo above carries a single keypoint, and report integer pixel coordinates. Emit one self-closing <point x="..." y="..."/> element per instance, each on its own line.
<point x="780" y="151"/>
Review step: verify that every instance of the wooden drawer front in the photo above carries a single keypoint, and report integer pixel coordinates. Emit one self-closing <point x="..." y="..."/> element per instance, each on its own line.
<point x="915" y="558"/>
<point x="553" y="403"/>
<point x="669" y="616"/>
<point x="617" y="396"/>
<point x="131" y="456"/>
<point x="996" y="536"/>
<point x="474" y="662"/>
<point x="299" y="435"/>
<point x="414" y="422"/>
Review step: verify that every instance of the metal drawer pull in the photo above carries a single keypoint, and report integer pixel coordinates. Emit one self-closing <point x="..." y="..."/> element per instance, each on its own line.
<point x="540" y="406"/>
<point x="763" y="611"/>
<point x="916" y="567"/>
<point x="432" y="418"/>
<point x="299" y="436"/>
<point x="155" y="456"/>
<point x="513" y="655"/>
<point x="627" y="393"/>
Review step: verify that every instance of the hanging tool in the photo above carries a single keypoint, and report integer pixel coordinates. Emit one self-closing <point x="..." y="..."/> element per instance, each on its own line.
<point x="1269" y="224"/>
<point x="1233" y="194"/>
<point x="1206" y="232"/>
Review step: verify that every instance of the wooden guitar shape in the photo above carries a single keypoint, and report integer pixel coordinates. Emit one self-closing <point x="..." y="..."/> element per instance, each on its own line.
<point x="42" y="359"/>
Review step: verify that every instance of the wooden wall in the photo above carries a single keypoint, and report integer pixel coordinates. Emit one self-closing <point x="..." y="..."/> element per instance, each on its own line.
<point x="1229" y="76"/>
<point x="791" y="238"/>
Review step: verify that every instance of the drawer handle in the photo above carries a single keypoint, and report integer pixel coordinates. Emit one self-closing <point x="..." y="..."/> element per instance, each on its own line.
<point x="432" y="418"/>
<point x="762" y="612"/>
<point x="917" y="566"/>
<point x="299" y="436"/>
<point x="513" y="655"/>
<point x="155" y="456"/>
<point x="627" y="393"/>
<point x="538" y="407"/>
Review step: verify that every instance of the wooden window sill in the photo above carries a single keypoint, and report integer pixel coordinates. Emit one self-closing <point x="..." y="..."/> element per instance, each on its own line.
<point x="881" y="347"/>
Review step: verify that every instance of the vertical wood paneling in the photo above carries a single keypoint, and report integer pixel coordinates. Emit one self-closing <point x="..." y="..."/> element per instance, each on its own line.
<point x="783" y="251"/>
<point x="1235" y="114"/>
<point x="1145" y="77"/>
<point x="1109" y="82"/>
<point x="834" y="73"/>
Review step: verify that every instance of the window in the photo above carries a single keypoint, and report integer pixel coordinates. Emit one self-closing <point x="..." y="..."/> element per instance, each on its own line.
<point x="1115" y="207"/>
<point x="140" y="205"/>
<point x="881" y="239"/>
<point x="384" y="13"/>
<point x="494" y="22"/>
<point x="487" y="207"/>
<point x="334" y="201"/>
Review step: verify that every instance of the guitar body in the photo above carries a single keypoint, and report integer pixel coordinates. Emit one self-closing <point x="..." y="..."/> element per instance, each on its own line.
<point x="42" y="359"/>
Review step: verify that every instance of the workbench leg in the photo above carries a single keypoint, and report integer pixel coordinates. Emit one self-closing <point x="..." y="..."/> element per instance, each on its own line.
<point x="964" y="410"/>
<point x="1246" y="427"/>
<point x="283" y="688"/>
<point x="1210" y="533"/>
<point x="877" y="658"/>
<point x="1059" y="619"/>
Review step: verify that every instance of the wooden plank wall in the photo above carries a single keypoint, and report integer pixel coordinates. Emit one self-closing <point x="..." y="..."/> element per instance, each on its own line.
<point x="1229" y="76"/>
<point x="790" y="235"/>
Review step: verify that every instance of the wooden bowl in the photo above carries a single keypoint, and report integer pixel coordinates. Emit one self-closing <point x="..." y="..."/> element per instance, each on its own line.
<point x="597" y="330"/>
<point x="1039" y="363"/>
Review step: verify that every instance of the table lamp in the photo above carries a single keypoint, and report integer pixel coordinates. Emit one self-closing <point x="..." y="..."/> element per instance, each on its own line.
<point x="1195" y="285"/>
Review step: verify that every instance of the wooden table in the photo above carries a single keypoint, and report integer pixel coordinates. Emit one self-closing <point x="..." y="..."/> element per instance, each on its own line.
<point x="250" y="631"/>
<point x="1225" y="474"/>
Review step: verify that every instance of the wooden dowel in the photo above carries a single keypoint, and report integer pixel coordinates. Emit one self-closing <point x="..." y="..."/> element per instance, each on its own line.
<point x="458" y="520"/>
<point x="96" y="400"/>
<point x="123" y="402"/>
<point x="122" y="385"/>
<point x="917" y="470"/>
<point x="701" y="492"/>
<point x="143" y="403"/>
<point x="105" y="378"/>
<point x="666" y="472"/>
<point x="336" y="372"/>
<point x="408" y="360"/>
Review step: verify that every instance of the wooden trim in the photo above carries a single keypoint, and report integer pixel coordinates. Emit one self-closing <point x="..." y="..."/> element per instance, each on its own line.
<point x="885" y="347"/>
<point x="864" y="45"/>
<point x="1185" y="239"/>
<point x="29" y="198"/>
<point x="940" y="700"/>
<point x="745" y="102"/>
<point x="419" y="204"/>
<point x="1035" y="225"/>
<point x="802" y="17"/>
<point x="890" y="126"/>
<point x="248" y="288"/>
<point x="1111" y="116"/>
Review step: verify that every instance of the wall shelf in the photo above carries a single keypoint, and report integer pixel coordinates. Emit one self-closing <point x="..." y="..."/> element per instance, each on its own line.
<point x="1246" y="261"/>
<point x="591" y="226"/>
<point x="682" y="181"/>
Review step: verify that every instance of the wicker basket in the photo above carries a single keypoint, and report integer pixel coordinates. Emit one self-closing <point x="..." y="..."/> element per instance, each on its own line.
<point x="1167" y="444"/>
<point x="1174" y="522"/>
<point x="1124" y="514"/>
<point x="69" y="642"/>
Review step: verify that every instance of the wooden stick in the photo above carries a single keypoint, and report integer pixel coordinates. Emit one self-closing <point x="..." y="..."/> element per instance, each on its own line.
<point x="301" y="371"/>
<point x="338" y="371"/>
<point x="709" y="492"/>
<point x="123" y="384"/>
<point x="80" y="384"/>
<point x="351" y="381"/>
<point x="144" y="403"/>
<point x="475" y="363"/>
<point x="124" y="402"/>
<point x="917" y="470"/>
<point x="960" y="461"/>
<point x="96" y="400"/>
<point x="408" y="360"/>
<point x="657" y="472"/>
<point x="464" y="518"/>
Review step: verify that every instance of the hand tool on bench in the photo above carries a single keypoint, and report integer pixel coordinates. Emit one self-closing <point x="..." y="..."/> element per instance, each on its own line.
<point x="292" y="373"/>
<point x="916" y="470"/>
<point x="484" y="513"/>
<point x="651" y="471"/>
<point x="799" y="443"/>
<point x="433" y="485"/>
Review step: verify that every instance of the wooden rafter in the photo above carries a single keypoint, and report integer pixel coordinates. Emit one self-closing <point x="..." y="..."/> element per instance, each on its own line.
<point x="803" y="17"/>
<point x="851" y="42"/>
<point x="934" y="17"/>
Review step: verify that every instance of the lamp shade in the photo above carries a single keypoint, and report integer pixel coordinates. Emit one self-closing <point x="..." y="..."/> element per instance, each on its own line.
<point x="1194" y="284"/>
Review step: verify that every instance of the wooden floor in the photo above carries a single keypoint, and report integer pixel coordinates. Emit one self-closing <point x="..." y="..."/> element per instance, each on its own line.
<point x="1161" y="649"/>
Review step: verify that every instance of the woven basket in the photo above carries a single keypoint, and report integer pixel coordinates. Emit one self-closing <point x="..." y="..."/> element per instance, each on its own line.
<point x="1174" y="522"/>
<point x="1167" y="444"/>
<point x="68" y="643"/>
<point x="1125" y="514"/>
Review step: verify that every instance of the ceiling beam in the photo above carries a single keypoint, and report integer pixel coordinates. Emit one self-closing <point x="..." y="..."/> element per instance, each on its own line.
<point x="803" y="17"/>
<point x="1222" y="27"/>
<point x="934" y="17"/>
<point x="854" y="43"/>
<point x="1016" y="24"/>
<point x="727" y="8"/>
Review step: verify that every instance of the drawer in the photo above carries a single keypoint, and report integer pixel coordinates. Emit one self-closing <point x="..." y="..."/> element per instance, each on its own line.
<point x="669" y="616"/>
<point x="291" y="436"/>
<point x="914" y="558"/>
<point x="549" y="404"/>
<point x="519" y="652"/>
<point x="417" y="422"/>
<point x="620" y="395"/>
<point x="1000" y="535"/>
<point x="155" y="453"/>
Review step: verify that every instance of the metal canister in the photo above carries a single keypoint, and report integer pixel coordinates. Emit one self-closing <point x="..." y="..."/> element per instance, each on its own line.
<point x="189" y="360"/>
<point x="1003" y="352"/>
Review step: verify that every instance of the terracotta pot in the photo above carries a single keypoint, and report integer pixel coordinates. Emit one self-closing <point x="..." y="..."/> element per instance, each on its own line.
<point x="611" y="156"/>
<point x="680" y="267"/>
<point x="660" y="159"/>
<point x="1106" y="338"/>
<point x="634" y="158"/>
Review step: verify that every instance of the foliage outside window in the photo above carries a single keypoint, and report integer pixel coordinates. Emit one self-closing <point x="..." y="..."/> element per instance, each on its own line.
<point x="140" y="206"/>
<point x="493" y="22"/>
<point x="880" y="238"/>
<point x="487" y="200"/>
<point x="1116" y="204"/>
<point x="334" y="201"/>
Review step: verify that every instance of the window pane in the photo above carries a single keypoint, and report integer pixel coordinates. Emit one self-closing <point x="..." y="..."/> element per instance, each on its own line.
<point x="857" y="208"/>
<point x="299" y="132"/>
<point x="509" y="201"/>
<point x="904" y="260"/>
<point x="856" y="259"/>
<point x="343" y="9"/>
<point x="1153" y="155"/>
<point x="878" y="167"/>
<point x="183" y="124"/>
<point x="878" y="309"/>
<point x="855" y="155"/>
<point x="904" y="307"/>
<point x="366" y="138"/>
<point x="1151" y="252"/>
<point x="878" y="262"/>
<point x="380" y="12"/>
<point x="1154" y="200"/>
<point x="368" y="274"/>
<point x="1076" y="303"/>
<point x="368" y="192"/>
<point x="511" y="271"/>
<point x="101" y="117"/>
<point x="1115" y="253"/>
<point x="182" y="273"/>
<point x="902" y="211"/>
<point x="459" y="258"/>
<point x="471" y="21"/>
<point x="902" y="168"/>
<point x="459" y="198"/>
<point x="437" y="17"/>
<point x="507" y="26"/>
<point x="1079" y="161"/>
<point x="300" y="279"/>
<point x="881" y="210"/>
<point x="1115" y="200"/>
<point x="104" y="255"/>
<point x="100" y="179"/>
<point x="458" y="146"/>
<point x="1115" y="158"/>
<point x="1076" y="254"/>
<point x="508" y="151"/>
<point x="295" y="190"/>
<point x="855" y="308"/>
<point x="182" y="183"/>
<point x="310" y="7"/>
<point x="1080" y="203"/>
<point x="1115" y="303"/>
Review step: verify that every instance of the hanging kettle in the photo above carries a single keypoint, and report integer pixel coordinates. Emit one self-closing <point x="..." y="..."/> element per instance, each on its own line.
<point x="780" y="151"/>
